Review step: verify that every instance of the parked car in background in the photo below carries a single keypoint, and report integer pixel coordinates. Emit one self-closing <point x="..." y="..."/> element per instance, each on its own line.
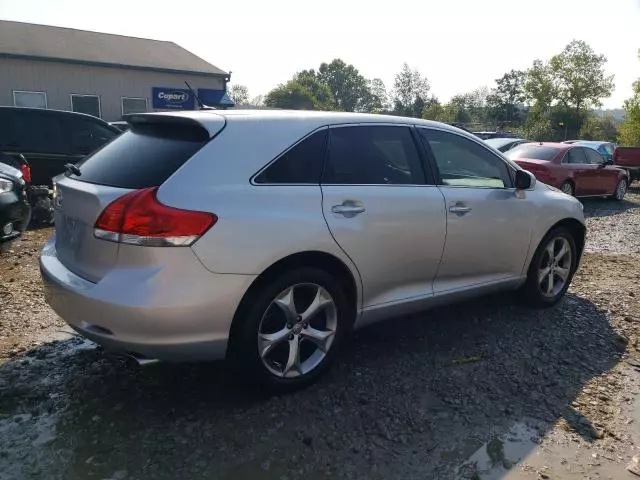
<point x="49" y="139"/>
<point x="199" y="252"/>
<point x="504" y="144"/>
<point x="629" y="159"/>
<point x="120" y="125"/>
<point x="14" y="207"/>
<point x="606" y="149"/>
<point x="485" y="135"/>
<point x="576" y="170"/>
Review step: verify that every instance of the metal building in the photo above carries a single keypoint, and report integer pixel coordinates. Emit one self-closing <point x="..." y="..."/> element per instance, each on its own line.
<point x="101" y="74"/>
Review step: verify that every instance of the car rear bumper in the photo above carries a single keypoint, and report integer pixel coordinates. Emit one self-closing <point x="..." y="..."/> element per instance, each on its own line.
<point x="177" y="311"/>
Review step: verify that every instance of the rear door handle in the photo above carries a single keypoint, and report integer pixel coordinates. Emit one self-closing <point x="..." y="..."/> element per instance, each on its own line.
<point x="459" y="209"/>
<point x="348" y="210"/>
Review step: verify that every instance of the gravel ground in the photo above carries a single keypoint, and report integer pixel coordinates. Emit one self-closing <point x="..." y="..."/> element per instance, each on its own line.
<point x="453" y="384"/>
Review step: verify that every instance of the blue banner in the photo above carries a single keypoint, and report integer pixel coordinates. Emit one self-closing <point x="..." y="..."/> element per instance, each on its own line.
<point x="172" y="98"/>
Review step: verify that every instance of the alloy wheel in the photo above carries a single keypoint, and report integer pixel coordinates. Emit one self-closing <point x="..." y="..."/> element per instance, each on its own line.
<point x="621" y="191"/>
<point x="297" y="330"/>
<point x="554" y="267"/>
<point x="567" y="188"/>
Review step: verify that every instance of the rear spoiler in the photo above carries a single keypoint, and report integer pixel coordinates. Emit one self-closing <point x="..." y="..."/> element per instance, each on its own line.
<point x="209" y="122"/>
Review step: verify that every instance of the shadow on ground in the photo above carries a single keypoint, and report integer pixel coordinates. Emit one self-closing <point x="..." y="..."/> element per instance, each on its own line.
<point x="409" y="398"/>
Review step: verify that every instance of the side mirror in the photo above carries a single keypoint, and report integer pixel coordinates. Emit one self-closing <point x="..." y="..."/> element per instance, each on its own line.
<point x="524" y="180"/>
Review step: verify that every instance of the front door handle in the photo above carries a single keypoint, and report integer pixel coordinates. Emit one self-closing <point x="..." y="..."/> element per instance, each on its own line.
<point x="459" y="209"/>
<point x="348" y="209"/>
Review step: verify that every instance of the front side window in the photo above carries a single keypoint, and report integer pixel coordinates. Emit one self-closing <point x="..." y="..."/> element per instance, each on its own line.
<point x="301" y="164"/>
<point x="133" y="105"/>
<point x="593" y="157"/>
<point x="89" y="104"/>
<point x="86" y="135"/>
<point x="575" y="156"/>
<point x="29" y="99"/>
<point x="373" y="155"/>
<point x="463" y="163"/>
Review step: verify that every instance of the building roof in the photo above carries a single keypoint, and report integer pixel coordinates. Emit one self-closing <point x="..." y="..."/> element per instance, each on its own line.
<point x="26" y="40"/>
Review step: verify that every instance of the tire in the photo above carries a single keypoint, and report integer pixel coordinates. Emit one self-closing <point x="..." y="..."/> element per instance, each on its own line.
<point x="620" y="191"/>
<point x="259" y="316"/>
<point x="568" y="188"/>
<point x="535" y="291"/>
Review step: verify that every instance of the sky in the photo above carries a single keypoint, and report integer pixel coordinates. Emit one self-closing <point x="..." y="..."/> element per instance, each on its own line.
<point x="458" y="45"/>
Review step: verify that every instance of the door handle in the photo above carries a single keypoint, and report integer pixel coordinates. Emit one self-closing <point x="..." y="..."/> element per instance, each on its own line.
<point x="348" y="209"/>
<point x="459" y="209"/>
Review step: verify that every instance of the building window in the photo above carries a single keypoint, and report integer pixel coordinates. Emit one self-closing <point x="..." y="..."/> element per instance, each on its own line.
<point x="133" y="105"/>
<point x="29" y="99"/>
<point x="89" y="104"/>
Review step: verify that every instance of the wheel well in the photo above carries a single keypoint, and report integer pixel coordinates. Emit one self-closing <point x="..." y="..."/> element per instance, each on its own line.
<point x="578" y="231"/>
<point x="321" y="260"/>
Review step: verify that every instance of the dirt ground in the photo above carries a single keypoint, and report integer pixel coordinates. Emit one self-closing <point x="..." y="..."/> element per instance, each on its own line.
<point x="484" y="390"/>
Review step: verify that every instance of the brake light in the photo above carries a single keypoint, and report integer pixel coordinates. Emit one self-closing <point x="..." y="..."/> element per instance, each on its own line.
<point x="26" y="172"/>
<point x="138" y="218"/>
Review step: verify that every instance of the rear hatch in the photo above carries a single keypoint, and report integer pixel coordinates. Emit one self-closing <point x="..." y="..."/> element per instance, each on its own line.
<point x="154" y="148"/>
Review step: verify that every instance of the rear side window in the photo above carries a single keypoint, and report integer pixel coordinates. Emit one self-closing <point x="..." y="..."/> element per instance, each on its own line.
<point x="28" y="131"/>
<point x="301" y="164"/>
<point x="535" y="152"/>
<point x="373" y="155"/>
<point x="145" y="156"/>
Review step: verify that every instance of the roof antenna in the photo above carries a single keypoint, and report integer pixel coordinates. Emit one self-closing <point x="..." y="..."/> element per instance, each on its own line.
<point x="201" y="106"/>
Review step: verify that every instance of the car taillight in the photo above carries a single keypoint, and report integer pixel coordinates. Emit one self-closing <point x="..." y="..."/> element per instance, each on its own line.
<point x="138" y="218"/>
<point x="26" y="172"/>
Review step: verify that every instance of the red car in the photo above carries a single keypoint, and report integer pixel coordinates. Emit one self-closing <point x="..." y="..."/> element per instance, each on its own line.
<point x="575" y="170"/>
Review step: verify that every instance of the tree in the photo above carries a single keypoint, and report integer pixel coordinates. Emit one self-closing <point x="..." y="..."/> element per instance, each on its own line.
<point x="294" y="95"/>
<point x="630" y="128"/>
<point x="579" y="77"/>
<point x="410" y="92"/>
<point x="438" y="112"/>
<point x="380" y="97"/>
<point x="350" y="90"/>
<point x="540" y="86"/>
<point x="239" y="94"/>
<point x="320" y="90"/>
<point x="599" y="128"/>
<point x="503" y="100"/>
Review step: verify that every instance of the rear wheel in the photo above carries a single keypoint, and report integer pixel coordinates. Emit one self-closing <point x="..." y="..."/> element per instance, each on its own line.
<point x="291" y="329"/>
<point x="551" y="269"/>
<point x="620" y="191"/>
<point x="567" y="187"/>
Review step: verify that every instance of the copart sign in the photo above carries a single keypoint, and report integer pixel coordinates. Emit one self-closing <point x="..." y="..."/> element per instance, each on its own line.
<point x="172" y="98"/>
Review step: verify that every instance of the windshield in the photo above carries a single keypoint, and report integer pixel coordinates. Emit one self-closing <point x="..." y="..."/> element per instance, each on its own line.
<point x="537" y="152"/>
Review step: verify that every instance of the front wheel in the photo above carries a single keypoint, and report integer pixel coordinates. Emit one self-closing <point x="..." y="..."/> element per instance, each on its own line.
<point x="551" y="269"/>
<point x="620" y="191"/>
<point x="290" y="329"/>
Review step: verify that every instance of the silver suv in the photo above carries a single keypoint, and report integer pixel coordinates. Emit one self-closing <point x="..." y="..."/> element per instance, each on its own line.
<point x="265" y="237"/>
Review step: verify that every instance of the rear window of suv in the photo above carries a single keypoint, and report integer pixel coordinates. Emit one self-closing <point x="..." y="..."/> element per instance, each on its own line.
<point x="145" y="156"/>
<point x="532" y="151"/>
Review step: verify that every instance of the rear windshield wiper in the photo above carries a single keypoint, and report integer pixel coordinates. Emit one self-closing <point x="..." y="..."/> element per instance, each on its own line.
<point x="72" y="169"/>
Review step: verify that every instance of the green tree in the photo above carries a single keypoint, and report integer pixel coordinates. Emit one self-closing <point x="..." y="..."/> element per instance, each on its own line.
<point x="320" y="90"/>
<point x="439" y="112"/>
<point x="380" y="100"/>
<point x="599" y="128"/>
<point x="503" y="100"/>
<point x="630" y="128"/>
<point x="349" y="88"/>
<point x="538" y="128"/>
<point x="580" y="78"/>
<point x="239" y="94"/>
<point x="296" y="96"/>
<point x="410" y="92"/>
<point x="540" y="86"/>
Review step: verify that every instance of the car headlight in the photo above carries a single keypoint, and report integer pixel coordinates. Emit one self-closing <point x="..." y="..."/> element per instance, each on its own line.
<point x="5" y="185"/>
